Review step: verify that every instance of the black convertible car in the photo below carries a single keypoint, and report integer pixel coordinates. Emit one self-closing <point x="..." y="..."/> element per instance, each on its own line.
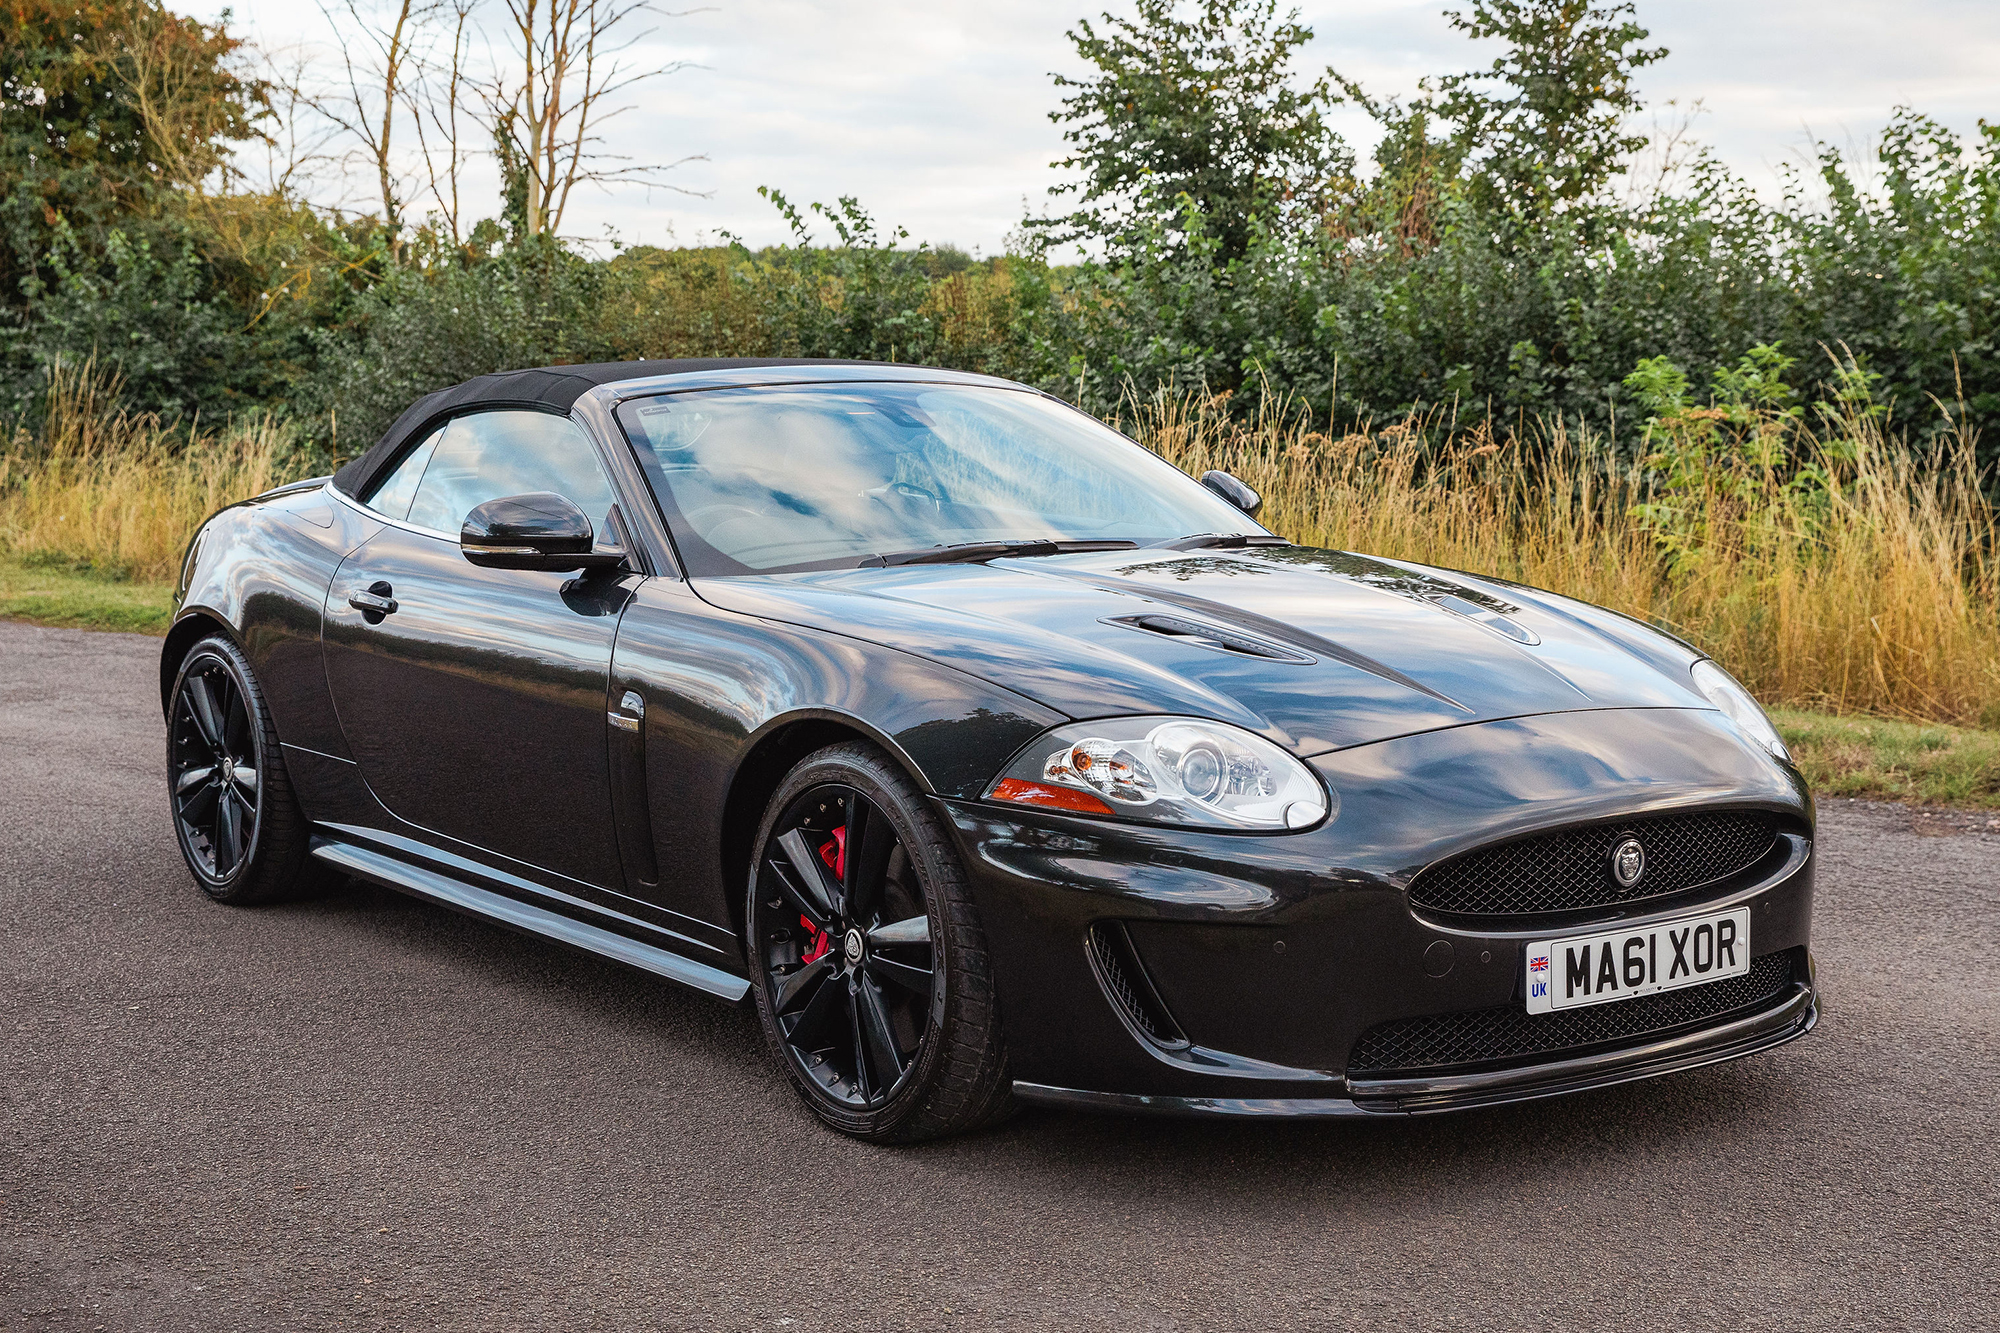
<point x="990" y="756"/>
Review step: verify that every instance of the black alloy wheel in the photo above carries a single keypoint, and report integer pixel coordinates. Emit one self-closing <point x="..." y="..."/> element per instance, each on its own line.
<point x="859" y="929"/>
<point x="847" y="946"/>
<point x="214" y="770"/>
<point x="235" y="817"/>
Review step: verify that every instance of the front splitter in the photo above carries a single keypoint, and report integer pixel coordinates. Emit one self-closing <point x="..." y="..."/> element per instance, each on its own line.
<point x="1787" y="1021"/>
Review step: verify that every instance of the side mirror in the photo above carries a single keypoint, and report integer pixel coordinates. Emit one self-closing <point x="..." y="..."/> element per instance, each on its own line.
<point x="1233" y="491"/>
<point x="541" y="530"/>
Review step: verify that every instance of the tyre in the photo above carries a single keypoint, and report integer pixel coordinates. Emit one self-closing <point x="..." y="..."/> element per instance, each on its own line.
<point x="237" y="822"/>
<point x="871" y="975"/>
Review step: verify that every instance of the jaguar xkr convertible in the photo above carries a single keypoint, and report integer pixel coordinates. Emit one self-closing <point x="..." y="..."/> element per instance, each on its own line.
<point x="993" y="759"/>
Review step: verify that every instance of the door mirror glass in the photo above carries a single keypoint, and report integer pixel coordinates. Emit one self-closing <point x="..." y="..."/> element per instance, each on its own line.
<point x="539" y="530"/>
<point x="1234" y="491"/>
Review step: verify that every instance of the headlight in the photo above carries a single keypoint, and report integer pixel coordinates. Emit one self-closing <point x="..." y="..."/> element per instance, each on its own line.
<point x="1735" y="702"/>
<point x="1166" y="770"/>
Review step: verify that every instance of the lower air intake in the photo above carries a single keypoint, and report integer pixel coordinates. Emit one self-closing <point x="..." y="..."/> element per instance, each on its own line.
<point x="1422" y="1046"/>
<point x="1125" y="981"/>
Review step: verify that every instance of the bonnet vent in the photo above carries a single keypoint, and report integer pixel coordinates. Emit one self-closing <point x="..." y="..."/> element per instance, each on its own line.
<point x="1486" y="616"/>
<point x="1213" y="636"/>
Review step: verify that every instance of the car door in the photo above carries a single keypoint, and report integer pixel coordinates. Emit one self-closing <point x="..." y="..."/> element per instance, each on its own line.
<point x="474" y="699"/>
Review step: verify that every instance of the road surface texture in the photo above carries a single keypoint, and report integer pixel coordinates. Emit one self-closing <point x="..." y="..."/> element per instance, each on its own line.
<point x="366" y="1112"/>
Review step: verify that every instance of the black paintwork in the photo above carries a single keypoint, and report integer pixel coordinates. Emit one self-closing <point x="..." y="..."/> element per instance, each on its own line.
<point x="476" y="711"/>
<point x="540" y="530"/>
<point x="596" y="748"/>
<point x="1234" y="491"/>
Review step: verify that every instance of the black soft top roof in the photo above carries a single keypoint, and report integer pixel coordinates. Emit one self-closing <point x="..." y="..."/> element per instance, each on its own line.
<point x="544" y="389"/>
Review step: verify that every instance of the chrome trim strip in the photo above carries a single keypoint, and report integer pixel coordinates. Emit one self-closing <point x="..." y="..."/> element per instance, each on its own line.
<point x="1636" y="914"/>
<point x="467" y="869"/>
<point x="527" y="918"/>
<point x="366" y="512"/>
<point x="471" y="864"/>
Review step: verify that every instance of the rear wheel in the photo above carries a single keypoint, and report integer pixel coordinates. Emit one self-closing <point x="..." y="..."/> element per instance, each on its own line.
<point x="870" y="970"/>
<point x="238" y="824"/>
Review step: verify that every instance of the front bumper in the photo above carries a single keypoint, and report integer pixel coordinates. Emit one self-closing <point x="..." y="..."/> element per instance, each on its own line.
<point x="1276" y="954"/>
<point x="1791" y="1018"/>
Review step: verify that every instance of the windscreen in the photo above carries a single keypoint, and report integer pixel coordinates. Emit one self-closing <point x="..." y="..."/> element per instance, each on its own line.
<point x="826" y="476"/>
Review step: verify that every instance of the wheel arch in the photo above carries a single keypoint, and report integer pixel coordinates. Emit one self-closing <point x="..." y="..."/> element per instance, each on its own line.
<point x="773" y="752"/>
<point x="194" y="625"/>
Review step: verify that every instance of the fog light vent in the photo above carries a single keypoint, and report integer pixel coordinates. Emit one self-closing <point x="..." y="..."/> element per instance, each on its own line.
<point x="1129" y="988"/>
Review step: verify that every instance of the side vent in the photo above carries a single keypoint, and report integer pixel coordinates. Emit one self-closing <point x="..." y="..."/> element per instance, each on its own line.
<point x="1213" y="636"/>
<point x="631" y="807"/>
<point x="1130" y="990"/>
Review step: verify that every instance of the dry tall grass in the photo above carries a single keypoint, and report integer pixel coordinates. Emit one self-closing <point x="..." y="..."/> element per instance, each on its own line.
<point x="1857" y="576"/>
<point x="1840" y="571"/>
<point x="118" y="493"/>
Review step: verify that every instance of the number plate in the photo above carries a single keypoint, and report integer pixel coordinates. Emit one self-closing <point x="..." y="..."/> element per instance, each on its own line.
<point x="1625" y="964"/>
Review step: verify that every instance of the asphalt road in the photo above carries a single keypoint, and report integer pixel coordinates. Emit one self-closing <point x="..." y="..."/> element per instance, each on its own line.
<point x="363" y="1111"/>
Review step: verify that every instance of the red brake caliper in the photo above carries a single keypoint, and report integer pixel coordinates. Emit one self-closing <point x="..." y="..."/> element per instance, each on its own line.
<point x="834" y="853"/>
<point x="821" y="945"/>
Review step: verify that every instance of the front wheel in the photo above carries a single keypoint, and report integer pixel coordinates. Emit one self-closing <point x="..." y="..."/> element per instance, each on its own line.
<point x="238" y="824"/>
<point x="870" y="969"/>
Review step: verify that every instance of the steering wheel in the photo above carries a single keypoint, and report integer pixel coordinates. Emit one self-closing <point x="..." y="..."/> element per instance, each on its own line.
<point x="907" y="491"/>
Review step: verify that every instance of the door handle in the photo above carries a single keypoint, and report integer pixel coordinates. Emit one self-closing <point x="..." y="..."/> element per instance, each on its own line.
<point x="375" y="603"/>
<point x="631" y="712"/>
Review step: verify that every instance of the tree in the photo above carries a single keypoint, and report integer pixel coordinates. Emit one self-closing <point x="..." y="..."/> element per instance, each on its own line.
<point x="549" y="110"/>
<point x="377" y="54"/>
<point x="107" y="107"/>
<point x="1202" y="106"/>
<point x="439" y="113"/>
<point x="1544" y="125"/>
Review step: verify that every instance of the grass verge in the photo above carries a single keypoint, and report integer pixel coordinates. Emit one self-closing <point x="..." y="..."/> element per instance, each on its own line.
<point x="50" y="593"/>
<point x="1922" y="763"/>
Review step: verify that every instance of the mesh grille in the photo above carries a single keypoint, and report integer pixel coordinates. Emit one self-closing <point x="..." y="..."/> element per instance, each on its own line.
<point x="1559" y="872"/>
<point x="1115" y="965"/>
<point x="1419" y="1045"/>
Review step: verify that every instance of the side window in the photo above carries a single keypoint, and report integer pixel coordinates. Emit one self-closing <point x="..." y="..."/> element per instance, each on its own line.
<point x="491" y="454"/>
<point x="392" y="494"/>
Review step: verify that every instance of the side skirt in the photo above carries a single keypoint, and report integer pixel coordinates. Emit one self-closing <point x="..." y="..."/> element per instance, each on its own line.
<point x="421" y="882"/>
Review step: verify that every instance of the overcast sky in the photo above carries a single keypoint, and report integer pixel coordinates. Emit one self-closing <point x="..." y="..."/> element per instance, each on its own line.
<point x="935" y="114"/>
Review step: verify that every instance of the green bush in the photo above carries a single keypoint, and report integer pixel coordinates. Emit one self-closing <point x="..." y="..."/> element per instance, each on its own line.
<point x="1486" y="315"/>
<point x="146" y="311"/>
<point x="417" y="330"/>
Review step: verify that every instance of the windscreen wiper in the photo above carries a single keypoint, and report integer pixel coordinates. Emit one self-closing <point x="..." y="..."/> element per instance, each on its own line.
<point x="1202" y="541"/>
<point x="972" y="552"/>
